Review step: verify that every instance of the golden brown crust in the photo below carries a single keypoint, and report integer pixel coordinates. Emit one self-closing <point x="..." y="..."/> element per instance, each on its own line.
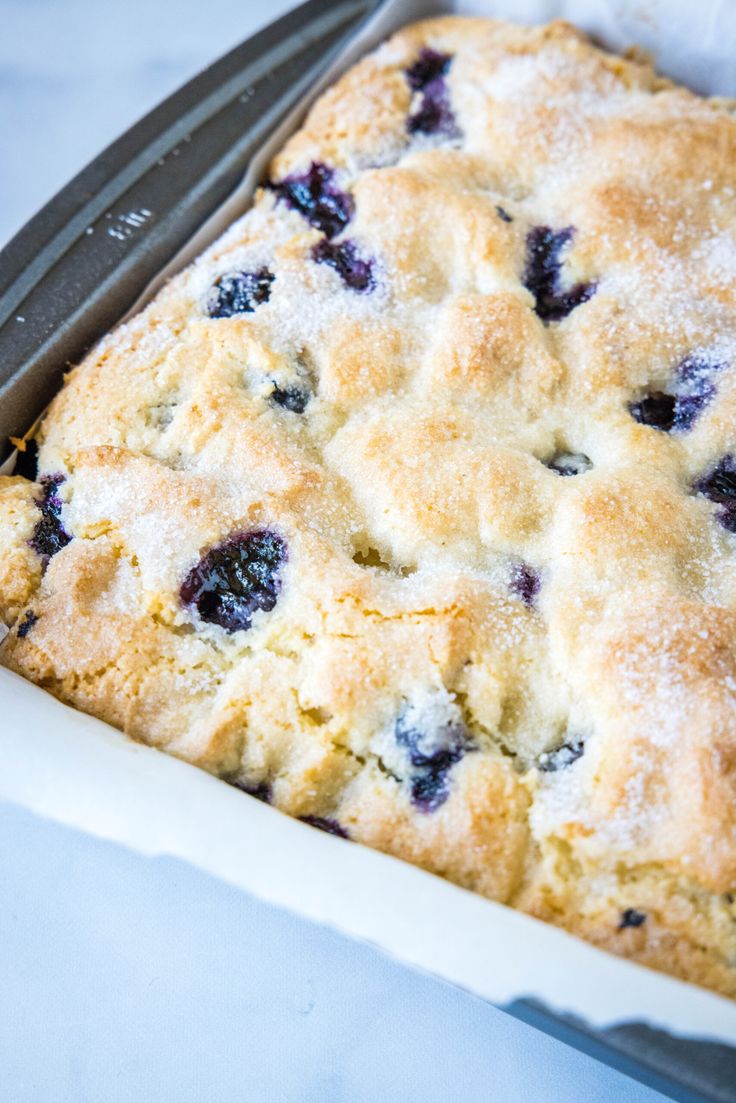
<point x="521" y="680"/>
<point x="20" y="567"/>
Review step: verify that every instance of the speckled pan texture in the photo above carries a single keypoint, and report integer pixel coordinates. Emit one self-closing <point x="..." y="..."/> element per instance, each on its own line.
<point x="411" y="506"/>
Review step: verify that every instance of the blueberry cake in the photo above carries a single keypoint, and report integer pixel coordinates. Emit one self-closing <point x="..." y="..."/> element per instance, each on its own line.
<point x="410" y="508"/>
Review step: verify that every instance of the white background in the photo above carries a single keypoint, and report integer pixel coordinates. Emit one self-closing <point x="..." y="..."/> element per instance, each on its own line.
<point x="129" y="979"/>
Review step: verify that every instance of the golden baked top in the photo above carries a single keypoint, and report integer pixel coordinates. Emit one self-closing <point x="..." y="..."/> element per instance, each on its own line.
<point x="411" y="506"/>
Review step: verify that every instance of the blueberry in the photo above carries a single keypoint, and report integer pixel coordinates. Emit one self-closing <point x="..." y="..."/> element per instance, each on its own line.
<point x="689" y="406"/>
<point x="261" y="791"/>
<point x="503" y="214"/>
<point x="236" y="579"/>
<point x="429" y="66"/>
<point x="434" y="114"/>
<point x="49" y="535"/>
<point x="436" y="749"/>
<point x="678" y="409"/>
<point x="294" y="399"/>
<point x="26" y="463"/>
<point x="542" y="274"/>
<point x="719" y="486"/>
<point x="239" y="293"/>
<point x="657" y="410"/>
<point x="317" y="198"/>
<point x="355" y="272"/>
<point x="693" y="368"/>
<point x="433" y="745"/>
<point x="631" y="918"/>
<point x="695" y="389"/>
<point x="325" y="823"/>
<point x="569" y="463"/>
<point x="430" y="790"/>
<point x="26" y="624"/>
<point x="525" y="583"/>
<point x="564" y="755"/>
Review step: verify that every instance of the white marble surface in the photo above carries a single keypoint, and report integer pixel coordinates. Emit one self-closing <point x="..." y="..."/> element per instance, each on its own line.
<point x="125" y="979"/>
<point x="74" y="74"/>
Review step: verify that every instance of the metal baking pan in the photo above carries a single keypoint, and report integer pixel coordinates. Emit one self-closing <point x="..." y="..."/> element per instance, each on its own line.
<point x="80" y="264"/>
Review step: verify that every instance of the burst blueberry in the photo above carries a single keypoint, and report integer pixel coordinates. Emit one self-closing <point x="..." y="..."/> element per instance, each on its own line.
<point x="354" y="271"/>
<point x="631" y="917"/>
<point x="437" y="749"/>
<point x="719" y="486"/>
<point x="327" y="824"/>
<point x="236" y="579"/>
<point x="657" y="410"/>
<point x="26" y="624"/>
<point x="503" y="214"/>
<point x="678" y="409"/>
<point x="432" y="751"/>
<point x="695" y="387"/>
<point x="261" y="790"/>
<point x="526" y="583"/>
<point x="239" y="293"/>
<point x="433" y="114"/>
<point x="429" y="67"/>
<point x="49" y="535"/>
<point x="430" y="790"/>
<point x="317" y="198"/>
<point x="542" y="274"/>
<point x="691" y="405"/>
<point x="294" y="399"/>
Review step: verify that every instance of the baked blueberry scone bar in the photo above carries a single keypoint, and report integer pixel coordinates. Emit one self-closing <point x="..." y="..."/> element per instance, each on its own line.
<point x="411" y="506"/>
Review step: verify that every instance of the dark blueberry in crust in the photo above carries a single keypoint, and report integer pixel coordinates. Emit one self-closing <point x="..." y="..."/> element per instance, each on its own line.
<point x="719" y="486"/>
<point x="355" y="272"/>
<point x="26" y="624"/>
<point x="564" y="755"/>
<point x="239" y="293"/>
<point x="657" y="410"/>
<point x="434" y="113"/>
<point x="678" y="410"/>
<point x="429" y="66"/>
<point x="543" y="270"/>
<point x="503" y="214"/>
<point x="436" y="750"/>
<point x="631" y="918"/>
<point x="525" y="583"/>
<point x="324" y="823"/>
<point x="261" y="791"/>
<point x="294" y="399"/>
<point x="317" y="198"/>
<point x="569" y="463"/>
<point x="49" y="535"/>
<point x="236" y="579"/>
<point x="695" y="389"/>
<point x="691" y="405"/>
<point x="432" y="755"/>
<point x="26" y="463"/>
<point x="430" y="790"/>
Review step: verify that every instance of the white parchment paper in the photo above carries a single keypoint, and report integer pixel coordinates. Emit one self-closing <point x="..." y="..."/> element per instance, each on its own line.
<point x="81" y="772"/>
